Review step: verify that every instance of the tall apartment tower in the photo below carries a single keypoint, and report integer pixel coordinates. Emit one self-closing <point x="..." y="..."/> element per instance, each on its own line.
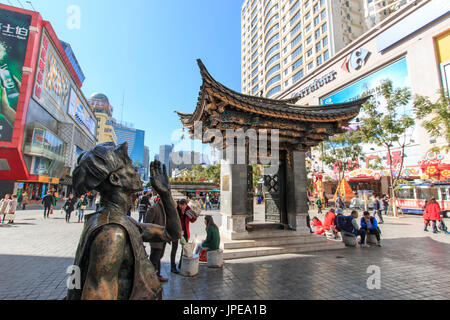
<point x="283" y="40"/>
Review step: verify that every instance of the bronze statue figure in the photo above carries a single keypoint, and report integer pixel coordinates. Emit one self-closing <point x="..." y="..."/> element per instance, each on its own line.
<point x="111" y="255"/>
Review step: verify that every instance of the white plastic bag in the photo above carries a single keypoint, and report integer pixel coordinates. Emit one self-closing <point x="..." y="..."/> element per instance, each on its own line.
<point x="189" y="247"/>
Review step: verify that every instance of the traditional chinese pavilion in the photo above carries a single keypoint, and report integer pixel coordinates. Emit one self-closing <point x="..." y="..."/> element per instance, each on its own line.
<point x="300" y="128"/>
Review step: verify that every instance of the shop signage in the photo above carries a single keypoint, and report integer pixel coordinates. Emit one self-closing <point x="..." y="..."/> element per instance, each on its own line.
<point x="52" y="85"/>
<point x="355" y="60"/>
<point x="315" y="85"/>
<point x="14" y="31"/>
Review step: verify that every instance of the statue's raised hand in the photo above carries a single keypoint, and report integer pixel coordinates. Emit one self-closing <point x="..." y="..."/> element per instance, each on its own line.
<point x="158" y="178"/>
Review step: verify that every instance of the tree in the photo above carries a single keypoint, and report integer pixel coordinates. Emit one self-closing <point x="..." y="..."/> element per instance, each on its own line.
<point x="439" y="123"/>
<point x="385" y="124"/>
<point x="342" y="152"/>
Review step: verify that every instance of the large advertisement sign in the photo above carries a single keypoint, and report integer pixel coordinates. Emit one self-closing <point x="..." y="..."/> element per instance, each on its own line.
<point x="55" y="90"/>
<point x="53" y="83"/>
<point x="80" y="113"/>
<point x="14" y="30"/>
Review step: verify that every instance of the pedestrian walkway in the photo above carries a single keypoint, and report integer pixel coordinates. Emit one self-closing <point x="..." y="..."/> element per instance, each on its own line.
<point x="35" y="254"/>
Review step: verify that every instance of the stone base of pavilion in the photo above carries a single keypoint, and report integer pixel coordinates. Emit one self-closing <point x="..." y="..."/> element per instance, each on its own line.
<point x="241" y="243"/>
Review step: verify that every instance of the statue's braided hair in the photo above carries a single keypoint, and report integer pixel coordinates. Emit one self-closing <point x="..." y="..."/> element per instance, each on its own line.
<point x="95" y="166"/>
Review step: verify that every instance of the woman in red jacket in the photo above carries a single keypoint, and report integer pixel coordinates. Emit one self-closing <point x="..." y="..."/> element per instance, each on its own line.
<point x="317" y="226"/>
<point x="432" y="213"/>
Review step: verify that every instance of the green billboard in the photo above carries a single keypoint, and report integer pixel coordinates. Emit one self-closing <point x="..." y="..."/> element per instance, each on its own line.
<point x="14" y="31"/>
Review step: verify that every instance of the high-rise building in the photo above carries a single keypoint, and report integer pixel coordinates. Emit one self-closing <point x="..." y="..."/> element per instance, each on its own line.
<point x="284" y="40"/>
<point x="103" y="114"/>
<point x="135" y="140"/>
<point x="146" y="162"/>
<point x="164" y="156"/>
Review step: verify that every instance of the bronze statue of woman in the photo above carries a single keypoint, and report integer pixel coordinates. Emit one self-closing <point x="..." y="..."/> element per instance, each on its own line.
<point x="111" y="255"/>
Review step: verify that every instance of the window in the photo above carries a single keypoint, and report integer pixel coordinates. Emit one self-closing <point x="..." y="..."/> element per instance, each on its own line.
<point x="255" y="89"/>
<point x="316" y="20"/>
<point x="309" y="53"/>
<point x="272" y="81"/>
<point x="296" y="28"/>
<point x="310" y="65"/>
<point x="255" y="80"/>
<point x="297" y="76"/>
<point x="317" y="34"/>
<point x="274" y="18"/>
<point x="323" y="14"/>
<point x="297" y="64"/>
<point x="271" y="11"/>
<point x="294" y="18"/>
<point x="254" y="46"/>
<point x="286" y="83"/>
<point x="292" y="10"/>
<point x="308" y="15"/>
<point x="272" y="50"/>
<point x="274" y="38"/>
<point x="274" y="90"/>
<point x="325" y="41"/>
<point x="316" y="8"/>
<point x="306" y="4"/>
<point x="319" y="60"/>
<point x="272" y="70"/>
<point x="296" y="40"/>
<point x="274" y="28"/>
<point x="308" y="41"/>
<point x="297" y="52"/>
<point x="324" y="27"/>
<point x="254" y="64"/>
<point x="318" y="46"/>
<point x="326" y="55"/>
<point x="254" y="55"/>
<point x="308" y="27"/>
<point x="322" y="2"/>
<point x="273" y="59"/>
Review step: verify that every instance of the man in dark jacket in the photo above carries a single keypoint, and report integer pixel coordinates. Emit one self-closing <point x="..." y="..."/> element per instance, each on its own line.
<point x="156" y="215"/>
<point x="185" y="219"/>
<point x="350" y="225"/>
<point x="143" y="206"/>
<point x="69" y="206"/>
<point x="377" y="207"/>
<point x="47" y="201"/>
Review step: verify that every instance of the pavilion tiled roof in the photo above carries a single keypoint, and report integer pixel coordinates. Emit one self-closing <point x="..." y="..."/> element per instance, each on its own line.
<point x="300" y="127"/>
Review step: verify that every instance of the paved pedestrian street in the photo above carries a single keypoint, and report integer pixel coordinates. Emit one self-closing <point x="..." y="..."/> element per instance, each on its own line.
<point x="35" y="254"/>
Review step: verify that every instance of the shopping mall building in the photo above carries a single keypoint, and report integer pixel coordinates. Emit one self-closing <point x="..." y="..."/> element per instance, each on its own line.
<point x="45" y="120"/>
<point x="412" y="49"/>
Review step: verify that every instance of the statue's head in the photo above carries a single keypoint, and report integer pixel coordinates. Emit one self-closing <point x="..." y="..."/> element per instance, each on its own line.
<point x="105" y="168"/>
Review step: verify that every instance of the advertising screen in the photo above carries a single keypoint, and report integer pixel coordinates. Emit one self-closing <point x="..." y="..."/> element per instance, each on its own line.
<point x="80" y="113"/>
<point x="14" y="31"/>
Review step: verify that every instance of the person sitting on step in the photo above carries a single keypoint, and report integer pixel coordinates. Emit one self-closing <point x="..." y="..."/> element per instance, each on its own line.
<point x="316" y="226"/>
<point x="370" y="224"/>
<point x="349" y="225"/>
<point x="212" y="241"/>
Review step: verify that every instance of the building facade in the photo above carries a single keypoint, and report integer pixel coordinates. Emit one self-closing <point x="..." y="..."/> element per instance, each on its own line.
<point x="47" y="121"/>
<point x="103" y="114"/>
<point x="412" y="49"/>
<point x="282" y="41"/>
<point x="164" y="156"/>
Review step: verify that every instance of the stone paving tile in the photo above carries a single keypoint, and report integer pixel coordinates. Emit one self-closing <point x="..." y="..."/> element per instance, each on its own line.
<point x="35" y="254"/>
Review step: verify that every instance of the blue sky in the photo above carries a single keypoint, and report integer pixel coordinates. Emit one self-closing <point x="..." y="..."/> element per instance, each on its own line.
<point x="148" y="49"/>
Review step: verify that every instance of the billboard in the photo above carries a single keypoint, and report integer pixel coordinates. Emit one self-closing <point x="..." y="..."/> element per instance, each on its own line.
<point x="56" y="91"/>
<point x="14" y="31"/>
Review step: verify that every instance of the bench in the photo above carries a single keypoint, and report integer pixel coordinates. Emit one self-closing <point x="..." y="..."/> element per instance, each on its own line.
<point x="215" y="258"/>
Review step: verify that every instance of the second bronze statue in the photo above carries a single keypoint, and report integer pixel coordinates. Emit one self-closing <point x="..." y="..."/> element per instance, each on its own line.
<point x="110" y="254"/>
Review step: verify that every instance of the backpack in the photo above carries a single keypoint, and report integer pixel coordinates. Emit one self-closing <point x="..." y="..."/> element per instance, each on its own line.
<point x="339" y="222"/>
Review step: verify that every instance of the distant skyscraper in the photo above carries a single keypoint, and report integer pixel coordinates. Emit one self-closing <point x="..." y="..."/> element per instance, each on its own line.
<point x="103" y="114"/>
<point x="135" y="139"/>
<point x="146" y="162"/>
<point x="164" y="156"/>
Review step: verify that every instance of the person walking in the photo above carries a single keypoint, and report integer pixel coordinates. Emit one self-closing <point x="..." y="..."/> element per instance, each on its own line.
<point x="69" y="206"/>
<point x="47" y="201"/>
<point x="143" y="205"/>
<point x="97" y="202"/>
<point x="432" y="213"/>
<point x="81" y="206"/>
<point x="212" y="241"/>
<point x="185" y="219"/>
<point x="207" y="202"/>
<point x="377" y="208"/>
<point x="4" y="204"/>
<point x="24" y="201"/>
<point x="11" y="209"/>
<point x="319" y="206"/>
<point x="156" y="215"/>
